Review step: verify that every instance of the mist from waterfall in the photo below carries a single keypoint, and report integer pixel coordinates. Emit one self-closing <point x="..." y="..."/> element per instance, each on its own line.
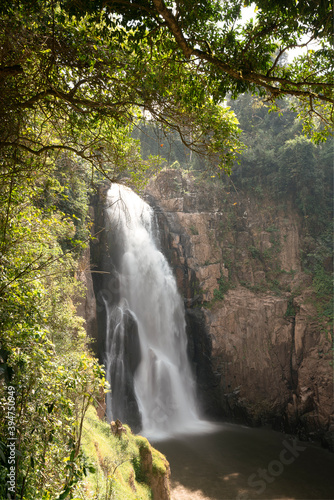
<point x="146" y="338"/>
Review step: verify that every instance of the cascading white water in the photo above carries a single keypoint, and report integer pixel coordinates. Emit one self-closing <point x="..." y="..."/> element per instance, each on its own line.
<point x="163" y="383"/>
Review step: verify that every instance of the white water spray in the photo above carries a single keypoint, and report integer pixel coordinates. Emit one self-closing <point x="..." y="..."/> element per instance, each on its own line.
<point x="163" y="383"/>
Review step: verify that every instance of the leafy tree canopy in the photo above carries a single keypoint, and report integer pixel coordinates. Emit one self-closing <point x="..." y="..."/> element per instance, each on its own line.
<point x="78" y="82"/>
<point x="74" y="75"/>
<point x="238" y="56"/>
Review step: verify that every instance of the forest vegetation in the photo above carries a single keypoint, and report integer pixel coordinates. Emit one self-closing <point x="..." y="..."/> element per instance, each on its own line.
<point x="80" y="83"/>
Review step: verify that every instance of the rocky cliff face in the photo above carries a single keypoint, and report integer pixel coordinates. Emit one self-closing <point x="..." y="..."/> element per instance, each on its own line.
<point x="259" y="350"/>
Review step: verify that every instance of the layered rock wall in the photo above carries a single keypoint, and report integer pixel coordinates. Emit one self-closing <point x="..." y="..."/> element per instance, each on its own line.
<point x="259" y="350"/>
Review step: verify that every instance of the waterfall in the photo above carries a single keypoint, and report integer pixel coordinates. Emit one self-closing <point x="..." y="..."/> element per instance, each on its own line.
<point x="146" y="344"/>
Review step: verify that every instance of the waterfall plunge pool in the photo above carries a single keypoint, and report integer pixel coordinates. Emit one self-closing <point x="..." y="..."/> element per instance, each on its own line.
<point x="236" y="462"/>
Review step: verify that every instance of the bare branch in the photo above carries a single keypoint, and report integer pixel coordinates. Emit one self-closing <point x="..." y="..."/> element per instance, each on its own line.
<point x="10" y="70"/>
<point x="51" y="147"/>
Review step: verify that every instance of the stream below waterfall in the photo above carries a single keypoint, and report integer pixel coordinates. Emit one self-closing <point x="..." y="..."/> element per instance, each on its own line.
<point x="241" y="463"/>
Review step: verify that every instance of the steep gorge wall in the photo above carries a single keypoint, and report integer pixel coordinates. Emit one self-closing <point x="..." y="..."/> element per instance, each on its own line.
<point x="260" y="352"/>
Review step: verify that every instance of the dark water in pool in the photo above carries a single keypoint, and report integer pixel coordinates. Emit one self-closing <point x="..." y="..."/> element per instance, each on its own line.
<point x="240" y="463"/>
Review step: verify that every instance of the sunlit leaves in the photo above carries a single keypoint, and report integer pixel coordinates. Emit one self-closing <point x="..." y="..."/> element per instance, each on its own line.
<point x="86" y="74"/>
<point x="43" y="343"/>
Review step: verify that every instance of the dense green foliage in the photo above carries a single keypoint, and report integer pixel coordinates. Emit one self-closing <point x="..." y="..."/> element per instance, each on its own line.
<point x="44" y="353"/>
<point x="71" y="83"/>
<point x="237" y="57"/>
<point x="280" y="158"/>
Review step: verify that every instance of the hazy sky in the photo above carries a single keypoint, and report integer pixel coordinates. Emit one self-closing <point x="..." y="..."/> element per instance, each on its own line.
<point x="249" y="12"/>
